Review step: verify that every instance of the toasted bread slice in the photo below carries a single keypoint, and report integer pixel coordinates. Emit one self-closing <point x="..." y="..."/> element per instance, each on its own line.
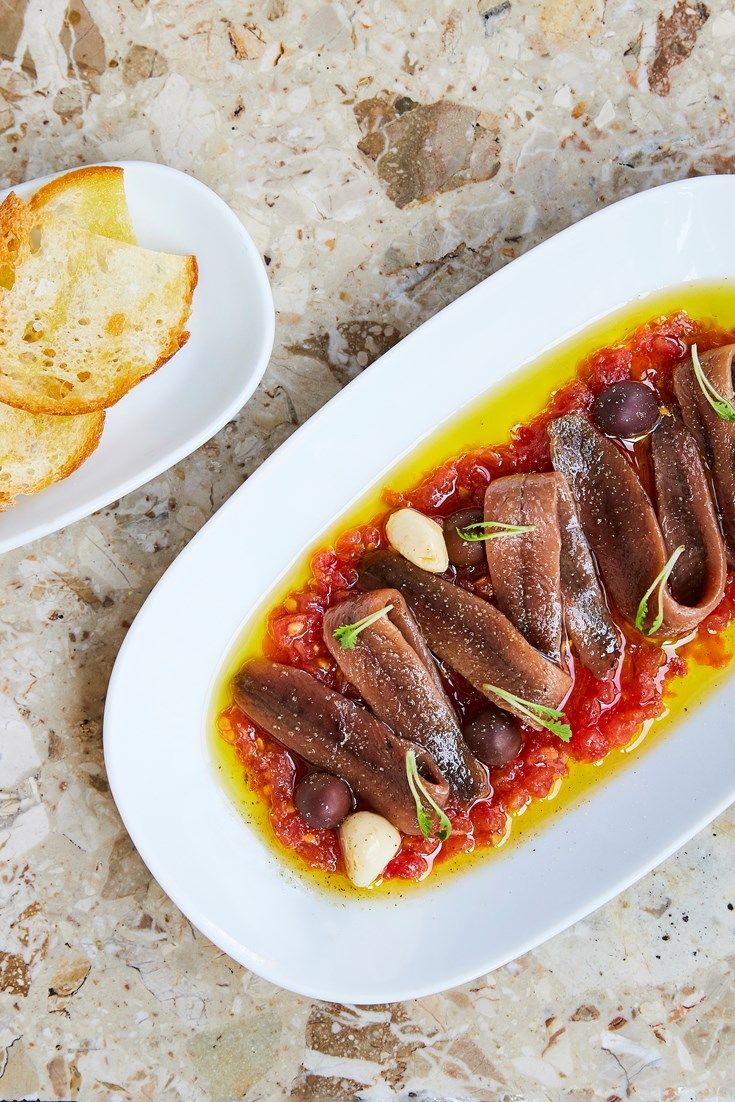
<point x="89" y="199"/>
<point x="83" y="317"/>
<point x="38" y="450"/>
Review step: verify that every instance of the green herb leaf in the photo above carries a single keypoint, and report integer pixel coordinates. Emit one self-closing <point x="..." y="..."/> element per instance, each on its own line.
<point x="420" y="793"/>
<point x="659" y="582"/>
<point x="550" y="718"/>
<point x="347" y="635"/>
<point x="492" y="530"/>
<point x="720" y="405"/>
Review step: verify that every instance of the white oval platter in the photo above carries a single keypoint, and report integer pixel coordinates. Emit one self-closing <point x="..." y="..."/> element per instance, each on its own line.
<point x="204" y="854"/>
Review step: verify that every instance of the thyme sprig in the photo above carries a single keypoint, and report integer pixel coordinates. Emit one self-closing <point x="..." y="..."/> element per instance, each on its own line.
<point x="658" y="584"/>
<point x="347" y="635"/>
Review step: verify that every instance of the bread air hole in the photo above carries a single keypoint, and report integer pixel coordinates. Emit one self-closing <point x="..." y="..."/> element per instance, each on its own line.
<point x="33" y="331"/>
<point x="83" y="376"/>
<point x="34" y="239"/>
<point x="82" y="321"/>
<point x="7" y="277"/>
<point x="53" y="387"/>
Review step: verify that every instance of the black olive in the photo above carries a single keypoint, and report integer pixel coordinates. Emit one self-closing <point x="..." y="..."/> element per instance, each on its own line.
<point x="461" y="552"/>
<point x="323" y="800"/>
<point x="627" y="409"/>
<point x="494" y="737"/>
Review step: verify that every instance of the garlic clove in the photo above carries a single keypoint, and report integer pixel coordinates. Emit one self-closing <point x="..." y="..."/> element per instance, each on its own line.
<point x="368" y="843"/>
<point x="419" y="538"/>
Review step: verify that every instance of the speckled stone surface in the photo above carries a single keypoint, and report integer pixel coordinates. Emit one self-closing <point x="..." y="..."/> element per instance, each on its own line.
<point x="385" y="155"/>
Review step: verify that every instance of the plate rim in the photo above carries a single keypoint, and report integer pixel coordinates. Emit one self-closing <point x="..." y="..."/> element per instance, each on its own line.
<point x="243" y="954"/>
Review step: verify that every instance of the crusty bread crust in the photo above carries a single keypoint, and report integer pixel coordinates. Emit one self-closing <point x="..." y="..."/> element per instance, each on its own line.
<point x="76" y="457"/>
<point x="101" y="188"/>
<point x="15" y="226"/>
<point x="79" y="450"/>
<point x="88" y="174"/>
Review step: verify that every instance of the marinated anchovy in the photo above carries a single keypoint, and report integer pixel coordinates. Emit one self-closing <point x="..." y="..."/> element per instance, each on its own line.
<point x="633" y="546"/>
<point x="395" y="674"/>
<point x="545" y="578"/>
<point x="469" y="634"/>
<point x="335" y="734"/>
<point x="586" y="614"/>
<point x="714" y="434"/>
<point x="524" y="568"/>
<point x="687" y="517"/>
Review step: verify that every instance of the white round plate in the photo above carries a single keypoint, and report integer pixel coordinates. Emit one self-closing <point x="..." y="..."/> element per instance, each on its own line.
<point x="210" y="861"/>
<point x="203" y="386"/>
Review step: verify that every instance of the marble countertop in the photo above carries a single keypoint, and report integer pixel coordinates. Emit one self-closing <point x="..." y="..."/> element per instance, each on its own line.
<point x="385" y="155"/>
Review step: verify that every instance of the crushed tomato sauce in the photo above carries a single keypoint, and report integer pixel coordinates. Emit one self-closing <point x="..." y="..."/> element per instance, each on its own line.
<point x="603" y="715"/>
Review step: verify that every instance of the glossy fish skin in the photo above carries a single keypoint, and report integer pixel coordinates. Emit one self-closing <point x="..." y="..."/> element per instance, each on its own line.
<point x="469" y="634"/>
<point x="395" y="674"/>
<point x="621" y="525"/>
<point x="587" y="617"/>
<point x="337" y="735"/>
<point x="714" y="435"/>
<point x="546" y="578"/>
<point x="616" y="515"/>
<point x="525" y="567"/>
<point x="688" y="517"/>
